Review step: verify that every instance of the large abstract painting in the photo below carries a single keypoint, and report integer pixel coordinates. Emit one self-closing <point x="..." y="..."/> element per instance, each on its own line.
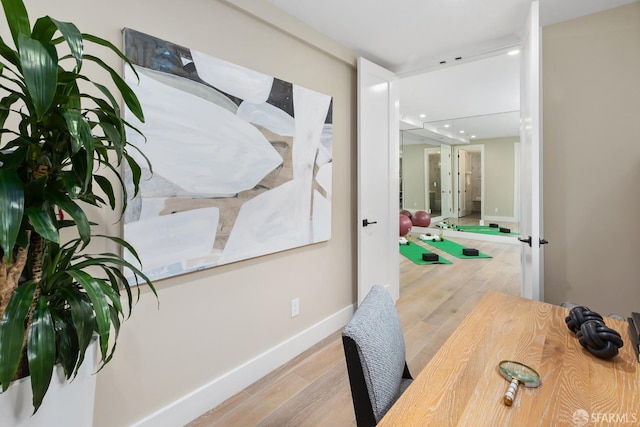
<point x="241" y="161"/>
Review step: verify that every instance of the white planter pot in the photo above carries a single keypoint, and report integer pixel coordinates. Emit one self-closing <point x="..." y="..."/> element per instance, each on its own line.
<point x="68" y="404"/>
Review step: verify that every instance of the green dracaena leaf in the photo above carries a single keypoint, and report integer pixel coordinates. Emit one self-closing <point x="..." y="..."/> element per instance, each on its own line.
<point x="40" y="71"/>
<point x="12" y="328"/>
<point x="127" y="93"/>
<point x="74" y="211"/>
<point x="74" y="40"/>
<point x="115" y="278"/>
<point x="100" y="306"/>
<point x="115" y="321"/>
<point x="67" y="341"/>
<point x="43" y="29"/>
<point x="80" y="131"/>
<point x="110" y="293"/>
<point x="73" y="96"/>
<point x="43" y="224"/>
<point x="107" y="188"/>
<point x="113" y="104"/>
<point x="113" y="135"/>
<point x="17" y="18"/>
<point x="83" y="320"/>
<point x="136" y="174"/>
<point x="9" y="54"/>
<point x="11" y="209"/>
<point x="41" y="351"/>
<point x="72" y="182"/>
<point x="112" y="47"/>
<point x="6" y="103"/>
<point x="13" y="159"/>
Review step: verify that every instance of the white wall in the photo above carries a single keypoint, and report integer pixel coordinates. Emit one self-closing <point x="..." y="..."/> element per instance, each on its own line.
<point x="212" y="322"/>
<point x="499" y="167"/>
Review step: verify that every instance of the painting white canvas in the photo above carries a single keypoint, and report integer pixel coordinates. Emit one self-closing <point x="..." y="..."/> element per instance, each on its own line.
<point x="241" y="161"/>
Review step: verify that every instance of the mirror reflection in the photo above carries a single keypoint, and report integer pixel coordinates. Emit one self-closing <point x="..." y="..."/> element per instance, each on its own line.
<point x="463" y="171"/>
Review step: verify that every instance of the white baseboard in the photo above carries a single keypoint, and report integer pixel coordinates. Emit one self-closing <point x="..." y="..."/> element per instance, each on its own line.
<point x="199" y="401"/>
<point x="500" y="218"/>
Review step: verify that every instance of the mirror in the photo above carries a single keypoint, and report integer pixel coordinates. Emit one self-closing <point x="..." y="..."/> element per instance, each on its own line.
<point x="464" y="170"/>
<point x="425" y="177"/>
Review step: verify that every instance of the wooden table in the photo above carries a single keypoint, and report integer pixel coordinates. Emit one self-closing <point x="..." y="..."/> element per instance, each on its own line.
<point x="461" y="384"/>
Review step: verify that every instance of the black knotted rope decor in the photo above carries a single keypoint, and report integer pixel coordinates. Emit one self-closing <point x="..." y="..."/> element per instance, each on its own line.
<point x="599" y="340"/>
<point x="578" y="315"/>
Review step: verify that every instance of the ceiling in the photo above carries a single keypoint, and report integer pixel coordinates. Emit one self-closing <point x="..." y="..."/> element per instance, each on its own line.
<point x="450" y="55"/>
<point x="410" y="35"/>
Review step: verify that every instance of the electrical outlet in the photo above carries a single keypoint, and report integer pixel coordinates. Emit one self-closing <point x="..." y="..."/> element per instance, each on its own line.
<point x="295" y="307"/>
<point x="496" y="210"/>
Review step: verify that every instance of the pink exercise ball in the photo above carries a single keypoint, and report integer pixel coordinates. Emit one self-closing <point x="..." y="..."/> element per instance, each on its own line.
<point x="405" y="212"/>
<point x="421" y="219"/>
<point x="405" y="225"/>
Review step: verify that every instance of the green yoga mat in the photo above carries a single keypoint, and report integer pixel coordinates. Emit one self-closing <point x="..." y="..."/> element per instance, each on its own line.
<point x="453" y="248"/>
<point x="414" y="253"/>
<point x="484" y="229"/>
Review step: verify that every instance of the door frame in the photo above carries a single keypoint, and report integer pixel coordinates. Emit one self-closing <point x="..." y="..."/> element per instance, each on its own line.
<point x="531" y="118"/>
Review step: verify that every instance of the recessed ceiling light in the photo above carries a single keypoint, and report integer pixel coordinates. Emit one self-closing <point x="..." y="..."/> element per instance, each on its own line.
<point x="461" y="131"/>
<point x="513" y="52"/>
<point x="473" y="136"/>
<point x="447" y="125"/>
<point x="422" y="116"/>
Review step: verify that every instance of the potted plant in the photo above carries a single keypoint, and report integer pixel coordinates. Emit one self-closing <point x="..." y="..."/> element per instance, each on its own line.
<point x="63" y="143"/>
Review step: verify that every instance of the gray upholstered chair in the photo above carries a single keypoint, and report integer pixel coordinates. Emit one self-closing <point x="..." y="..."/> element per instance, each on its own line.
<point x="375" y="354"/>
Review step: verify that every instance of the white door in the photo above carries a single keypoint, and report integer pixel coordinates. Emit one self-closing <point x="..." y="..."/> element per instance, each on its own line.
<point x="462" y="182"/>
<point x="378" y="179"/>
<point x="429" y="180"/>
<point x="445" y="181"/>
<point x="532" y="260"/>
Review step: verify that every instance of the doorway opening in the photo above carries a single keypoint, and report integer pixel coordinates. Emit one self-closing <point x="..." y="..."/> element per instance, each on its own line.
<point x="469" y="184"/>
<point x="433" y="181"/>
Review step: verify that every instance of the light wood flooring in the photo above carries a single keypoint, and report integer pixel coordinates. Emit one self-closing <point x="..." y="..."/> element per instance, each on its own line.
<point x="313" y="389"/>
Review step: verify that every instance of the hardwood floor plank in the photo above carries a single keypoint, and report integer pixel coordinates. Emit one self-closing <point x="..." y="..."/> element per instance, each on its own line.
<point x="303" y="358"/>
<point x="322" y="361"/>
<point x="312" y="403"/>
<point x="229" y="405"/>
<point x="253" y="409"/>
<point x="417" y="338"/>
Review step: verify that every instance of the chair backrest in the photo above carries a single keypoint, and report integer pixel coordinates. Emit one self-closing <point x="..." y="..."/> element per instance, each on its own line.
<point x="375" y="353"/>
